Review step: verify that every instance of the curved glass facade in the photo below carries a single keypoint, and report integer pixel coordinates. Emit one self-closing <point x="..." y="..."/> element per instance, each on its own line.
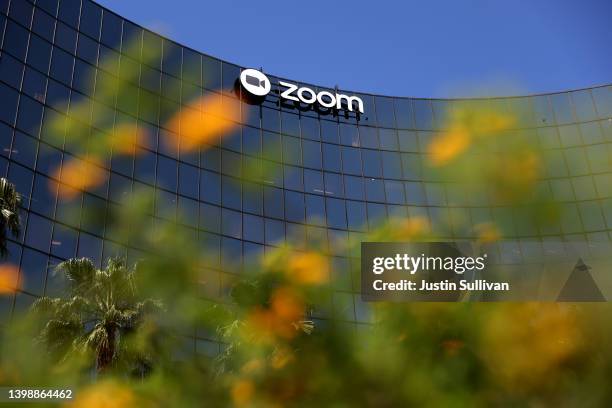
<point x="334" y="175"/>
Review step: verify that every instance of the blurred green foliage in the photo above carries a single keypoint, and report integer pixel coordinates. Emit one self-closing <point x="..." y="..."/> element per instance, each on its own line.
<point x="273" y="355"/>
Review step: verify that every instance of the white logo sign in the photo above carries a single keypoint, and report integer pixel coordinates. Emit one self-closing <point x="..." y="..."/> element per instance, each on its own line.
<point x="255" y="82"/>
<point x="258" y="84"/>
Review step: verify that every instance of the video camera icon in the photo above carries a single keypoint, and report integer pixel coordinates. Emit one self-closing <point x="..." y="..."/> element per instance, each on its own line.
<point x="255" y="82"/>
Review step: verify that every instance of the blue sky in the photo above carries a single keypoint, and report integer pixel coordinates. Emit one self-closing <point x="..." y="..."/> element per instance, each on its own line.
<point x="422" y="48"/>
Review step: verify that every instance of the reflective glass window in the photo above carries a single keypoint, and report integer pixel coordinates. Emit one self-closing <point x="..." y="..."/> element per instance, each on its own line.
<point x="351" y="160"/>
<point x="290" y="124"/>
<point x="188" y="180"/>
<point x="275" y="231"/>
<point x="33" y="271"/>
<point x="310" y="128"/>
<point x="368" y="137"/>
<point x="231" y="222"/>
<point x="336" y="213"/>
<point x="293" y="177"/>
<point x="15" y="40"/>
<point x="388" y="139"/>
<point x="64" y="241"/>
<point x="329" y="131"/>
<point x="349" y="135"/>
<point x="87" y="49"/>
<point x="11" y="70"/>
<point x="543" y="111"/>
<point x="21" y="11"/>
<point x="415" y="194"/>
<point x="583" y="104"/>
<point x="392" y="165"/>
<point x="210" y="217"/>
<point x="166" y="173"/>
<point x="562" y="107"/>
<point x="9" y="97"/>
<point x="404" y="114"/>
<point x="356" y="215"/>
<point x="43" y="24"/>
<point x="69" y="12"/>
<point x="333" y="184"/>
<point x="91" y="16"/>
<point x="395" y="192"/>
<point x="423" y="114"/>
<point x="353" y="188"/>
<point x="273" y="202"/>
<point x="311" y="151"/>
<point x="65" y="37"/>
<point x="39" y="232"/>
<point x="603" y="101"/>
<point x="294" y="206"/>
<point x="315" y="209"/>
<point x="34" y="84"/>
<point x="110" y="34"/>
<point x="371" y="163"/>
<point x="385" y="115"/>
<point x="331" y="157"/>
<point x="291" y="150"/>
<point x="48" y="5"/>
<point x="313" y="181"/>
<point x="253" y="228"/>
<point x="375" y="189"/>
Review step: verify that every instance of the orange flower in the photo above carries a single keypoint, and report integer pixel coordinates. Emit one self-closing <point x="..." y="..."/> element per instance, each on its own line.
<point x="242" y="392"/>
<point x="78" y="174"/>
<point x="280" y="319"/>
<point x="9" y="278"/>
<point x="204" y="120"/>
<point x="287" y="304"/>
<point x="449" y="145"/>
<point x="127" y="137"/>
<point x="310" y="268"/>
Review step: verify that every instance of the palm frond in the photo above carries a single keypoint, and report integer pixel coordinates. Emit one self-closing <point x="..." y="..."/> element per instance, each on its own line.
<point x="80" y="273"/>
<point x="10" y="200"/>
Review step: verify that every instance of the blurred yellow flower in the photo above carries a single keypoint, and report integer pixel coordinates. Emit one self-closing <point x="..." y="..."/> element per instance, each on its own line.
<point x="287" y="304"/>
<point x="524" y="344"/>
<point x="516" y="174"/>
<point x="105" y="395"/>
<point x="252" y="366"/>
<point x="492" y="122"/>
<point x="449" y="145"/>
<point x="487" y="232"/>
<point x="204" y="120"/>
<point x="310" y="268"/>
<point x="77" y="174"/>
<point x="127" y="137"/>
<point x="242" y="392"/>
<point x="279" y="320"/>
<point x="9" y="278"/>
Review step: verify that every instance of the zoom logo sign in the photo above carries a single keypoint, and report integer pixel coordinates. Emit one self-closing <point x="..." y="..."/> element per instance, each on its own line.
<point x="255" y="82"/>
<point x="258" y="84"/>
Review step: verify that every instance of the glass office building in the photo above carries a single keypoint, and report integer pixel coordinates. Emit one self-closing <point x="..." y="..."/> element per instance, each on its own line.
<point x="335" y="175"/>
